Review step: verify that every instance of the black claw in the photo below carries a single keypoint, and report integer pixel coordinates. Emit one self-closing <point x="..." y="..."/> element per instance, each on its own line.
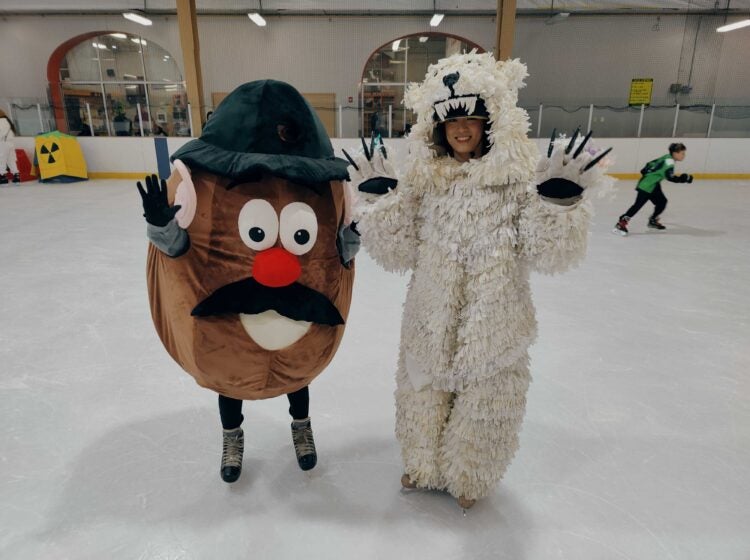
<point x="597" y="159"/>
<point x="551" y="142"/>
<point x="572" y="140"/>
<point x="580" y="148"/>
<point x="364" y="147"/>
<point x="350" y="159"/>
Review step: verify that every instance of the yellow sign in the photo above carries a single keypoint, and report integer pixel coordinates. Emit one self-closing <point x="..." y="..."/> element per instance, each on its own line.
<point x="640" y="91"/>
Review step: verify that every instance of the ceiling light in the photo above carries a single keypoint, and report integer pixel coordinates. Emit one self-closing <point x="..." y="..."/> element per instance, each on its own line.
<point x="423" y="39"/>
<point x="395" y="45"/>
<point x="436" y="19"/>
<point x="257" y="19"/>
<point x="557" y="18"/>
<point x="139" y="41"/>
<point x="118" y="35"/>
<point x="99" y="46"/>
<point x="733" y="26"/>
<point x="137" y="18"/>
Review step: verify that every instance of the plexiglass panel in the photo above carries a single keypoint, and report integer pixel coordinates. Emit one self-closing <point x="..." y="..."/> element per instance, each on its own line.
<point x="116" y="74"/>
<point x="391" y="68"/>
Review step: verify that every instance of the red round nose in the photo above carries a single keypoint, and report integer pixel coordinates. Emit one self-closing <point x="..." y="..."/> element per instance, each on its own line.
<point x="276" y="267"/>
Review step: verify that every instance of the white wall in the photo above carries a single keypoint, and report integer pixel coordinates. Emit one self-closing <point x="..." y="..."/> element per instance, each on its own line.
<point x="315" y="54"/>
<point x="704" y="155"/>
<point x="30" y="40"/>
<point x="586" y="58"/>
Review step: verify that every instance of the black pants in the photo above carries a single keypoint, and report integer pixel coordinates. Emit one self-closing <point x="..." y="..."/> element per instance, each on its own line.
<point x="657" y="197"/>
<point x="231" y="409"/>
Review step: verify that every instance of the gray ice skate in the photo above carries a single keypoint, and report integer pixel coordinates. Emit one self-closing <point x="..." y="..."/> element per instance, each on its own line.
<point x="304" y="444"/>
<point x="231" y="456"/>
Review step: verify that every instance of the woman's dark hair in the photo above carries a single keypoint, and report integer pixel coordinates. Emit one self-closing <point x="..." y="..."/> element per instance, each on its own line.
<point x="677" y="147"/>
<point x="441" y="140"/>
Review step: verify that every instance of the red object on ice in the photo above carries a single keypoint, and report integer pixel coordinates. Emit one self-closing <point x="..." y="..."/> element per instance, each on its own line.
<point x="25" y="170"/>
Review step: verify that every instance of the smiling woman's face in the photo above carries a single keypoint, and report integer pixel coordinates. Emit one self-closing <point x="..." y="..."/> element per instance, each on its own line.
<point x="464" y="136"/>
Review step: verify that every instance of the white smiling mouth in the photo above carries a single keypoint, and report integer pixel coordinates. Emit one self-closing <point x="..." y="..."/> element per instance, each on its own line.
<point x="463" y="138"/>
<point x="272" y="331"/>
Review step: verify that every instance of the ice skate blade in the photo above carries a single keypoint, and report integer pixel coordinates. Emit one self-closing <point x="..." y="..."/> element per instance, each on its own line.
<point x="620" y="232"/>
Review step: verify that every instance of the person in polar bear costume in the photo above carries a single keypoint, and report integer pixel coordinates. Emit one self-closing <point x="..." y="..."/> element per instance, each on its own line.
<point x="476" y="210"/>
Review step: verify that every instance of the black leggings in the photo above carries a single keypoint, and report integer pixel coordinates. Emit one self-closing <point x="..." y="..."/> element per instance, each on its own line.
<point x="657" y="197"/>
<point x="230" y="409"/>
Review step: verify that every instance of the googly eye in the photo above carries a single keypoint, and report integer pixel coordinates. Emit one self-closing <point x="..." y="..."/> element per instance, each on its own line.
<point x="299" y="228"/>
<point x="258" y="225"/>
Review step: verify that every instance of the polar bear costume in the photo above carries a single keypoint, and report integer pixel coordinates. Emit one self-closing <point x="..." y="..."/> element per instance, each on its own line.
<point x="470" y="233"/>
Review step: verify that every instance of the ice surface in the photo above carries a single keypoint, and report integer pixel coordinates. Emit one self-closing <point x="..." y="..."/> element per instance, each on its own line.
<point x="636" y="443"/>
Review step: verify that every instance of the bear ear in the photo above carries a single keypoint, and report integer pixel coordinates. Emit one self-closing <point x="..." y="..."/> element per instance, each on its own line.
<point x="185" y="196"/>
<point x="514" y="71"/>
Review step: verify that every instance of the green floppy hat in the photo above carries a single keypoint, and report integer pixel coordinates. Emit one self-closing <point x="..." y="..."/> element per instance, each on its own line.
<point x="265" y="126"/>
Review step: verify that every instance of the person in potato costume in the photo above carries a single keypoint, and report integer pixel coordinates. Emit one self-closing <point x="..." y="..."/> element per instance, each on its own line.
<point x="250" y="267"/>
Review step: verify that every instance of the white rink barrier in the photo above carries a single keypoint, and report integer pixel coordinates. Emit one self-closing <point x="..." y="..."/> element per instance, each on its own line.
<point x="707" y="158"/>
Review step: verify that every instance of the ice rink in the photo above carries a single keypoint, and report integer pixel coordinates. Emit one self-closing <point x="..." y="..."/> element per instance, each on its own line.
<point x="636" y="443"/>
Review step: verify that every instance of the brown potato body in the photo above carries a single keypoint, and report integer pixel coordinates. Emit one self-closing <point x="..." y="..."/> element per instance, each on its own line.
<point x="217" y="351"/>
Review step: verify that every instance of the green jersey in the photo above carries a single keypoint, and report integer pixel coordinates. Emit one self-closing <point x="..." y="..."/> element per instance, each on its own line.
<point x="655" y="171"/>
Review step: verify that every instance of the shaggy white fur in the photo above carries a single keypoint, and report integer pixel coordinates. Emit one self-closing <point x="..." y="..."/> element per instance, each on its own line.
<point x="471" y="233"/>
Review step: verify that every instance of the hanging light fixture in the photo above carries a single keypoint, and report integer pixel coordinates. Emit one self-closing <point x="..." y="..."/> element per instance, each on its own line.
<point x="556" y="17"/>
<point x="436" y="17"/>
<point x="137" y="16"/>
<point x="256" y="18"/>
<point x="733" y="26"/>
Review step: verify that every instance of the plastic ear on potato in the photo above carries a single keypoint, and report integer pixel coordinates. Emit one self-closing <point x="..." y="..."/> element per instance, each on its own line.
<point x="185" y="196"/>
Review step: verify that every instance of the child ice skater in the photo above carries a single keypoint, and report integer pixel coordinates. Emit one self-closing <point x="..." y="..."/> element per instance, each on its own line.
<point x="649" y="187"/>
<point x="472" y="215"/>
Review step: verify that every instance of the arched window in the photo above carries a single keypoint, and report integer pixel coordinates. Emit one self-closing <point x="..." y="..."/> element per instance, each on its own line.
<point x="390" y="68"/>
<point x="120" y="84"/>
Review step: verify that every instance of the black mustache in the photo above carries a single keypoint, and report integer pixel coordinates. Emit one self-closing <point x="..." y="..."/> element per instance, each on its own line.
<point x="248" y="296"/>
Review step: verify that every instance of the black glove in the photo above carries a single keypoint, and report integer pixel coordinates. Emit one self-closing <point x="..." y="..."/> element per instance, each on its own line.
<point x="560" y="187"/>
<point x="375" y="171"/>
<point x="378" y="185"/>
<point x="156" y="208"/>
<point x="688" y="178"/>
<point x="557" y="187"/>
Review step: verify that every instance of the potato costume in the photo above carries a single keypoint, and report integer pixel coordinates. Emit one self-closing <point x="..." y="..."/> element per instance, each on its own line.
<point x="248" y="288"/>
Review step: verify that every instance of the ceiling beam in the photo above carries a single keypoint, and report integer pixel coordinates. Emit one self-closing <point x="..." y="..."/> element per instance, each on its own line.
<point x="191" y="57"/>
<point x="505" y="29"/>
